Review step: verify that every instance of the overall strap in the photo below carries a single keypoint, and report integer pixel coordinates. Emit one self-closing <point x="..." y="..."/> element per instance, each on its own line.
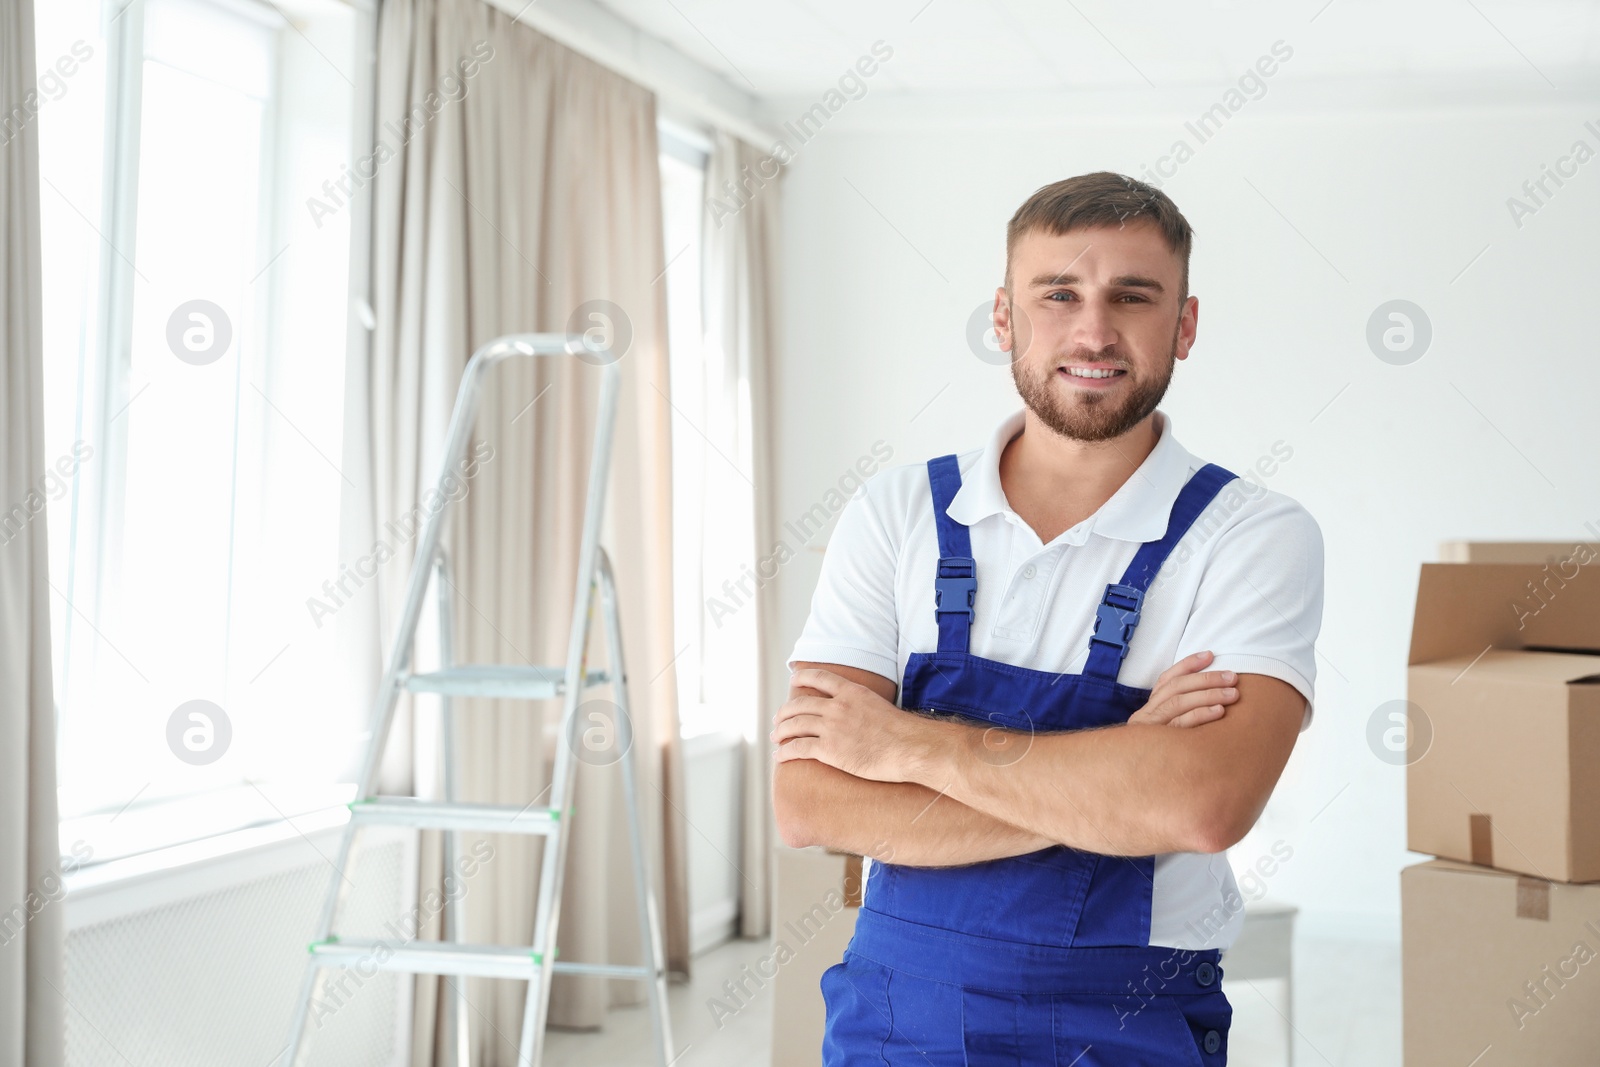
<point x="955" y="585"/>
<point x="1118" y="612"/>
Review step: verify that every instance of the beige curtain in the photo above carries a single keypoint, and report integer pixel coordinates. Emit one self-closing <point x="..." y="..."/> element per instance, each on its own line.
<point x="740" y="275"/>
<point x="530" y="189"/>
<point x="31" y="1008"/>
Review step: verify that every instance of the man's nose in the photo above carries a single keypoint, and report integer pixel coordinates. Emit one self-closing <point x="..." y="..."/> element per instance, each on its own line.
<point x="1092" y="329"/>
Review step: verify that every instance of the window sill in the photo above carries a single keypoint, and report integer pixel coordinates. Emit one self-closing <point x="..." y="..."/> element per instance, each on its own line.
<point x="134" y="860"/>
<point x="159" y="826"/>
<point x="99" y="892"/>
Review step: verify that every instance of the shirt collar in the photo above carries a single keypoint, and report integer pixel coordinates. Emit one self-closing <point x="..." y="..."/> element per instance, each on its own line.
<point x="1137" y="511"/>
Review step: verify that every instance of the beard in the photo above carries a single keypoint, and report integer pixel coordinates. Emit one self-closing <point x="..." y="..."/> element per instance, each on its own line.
<point x="1093" y="416"/>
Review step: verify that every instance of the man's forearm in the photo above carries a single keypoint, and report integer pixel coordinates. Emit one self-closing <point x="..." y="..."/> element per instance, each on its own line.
<point x="894" y="822"/>
<point x="1131" y="789"/>
<point x="1122" y="791"/>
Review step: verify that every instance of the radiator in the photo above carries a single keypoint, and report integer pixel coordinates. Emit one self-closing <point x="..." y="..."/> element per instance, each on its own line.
<point x="200" y="963"/>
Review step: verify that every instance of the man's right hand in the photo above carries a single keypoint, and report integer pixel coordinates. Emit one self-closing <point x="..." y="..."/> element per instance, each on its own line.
<point x="1187" y="694"/>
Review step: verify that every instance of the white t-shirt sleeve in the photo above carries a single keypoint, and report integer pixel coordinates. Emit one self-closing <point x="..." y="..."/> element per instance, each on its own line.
<point x="852" y="620"/>
<point x="1258" y="607"/>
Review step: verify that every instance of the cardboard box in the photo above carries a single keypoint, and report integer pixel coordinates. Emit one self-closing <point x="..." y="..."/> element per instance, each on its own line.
<point x="1509" y="730"/>
<point x="818" y="895"/>
<point x="1498" y="970"/>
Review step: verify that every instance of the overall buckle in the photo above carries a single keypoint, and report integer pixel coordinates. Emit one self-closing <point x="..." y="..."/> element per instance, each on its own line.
<point x="955" y="577"/>
<point x="1116" y="617"/>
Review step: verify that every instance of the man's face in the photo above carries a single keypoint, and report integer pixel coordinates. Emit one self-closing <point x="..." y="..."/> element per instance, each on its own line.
<point x="1094" y="327"/>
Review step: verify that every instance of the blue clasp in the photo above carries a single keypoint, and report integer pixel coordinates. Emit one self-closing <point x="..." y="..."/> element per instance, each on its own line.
<point x="956" y="578"/>
<point x="1116" y="617"/>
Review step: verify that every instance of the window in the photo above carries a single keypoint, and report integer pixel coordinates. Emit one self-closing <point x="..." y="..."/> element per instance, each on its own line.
<point x="197" y="280"/>
<point x="713" y="510"/>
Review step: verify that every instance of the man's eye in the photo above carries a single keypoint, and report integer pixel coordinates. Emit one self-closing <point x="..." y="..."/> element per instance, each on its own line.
<point x="1064" y="295"/>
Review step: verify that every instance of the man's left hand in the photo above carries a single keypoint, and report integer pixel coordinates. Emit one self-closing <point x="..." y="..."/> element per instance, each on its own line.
<point x="853" y="729"/>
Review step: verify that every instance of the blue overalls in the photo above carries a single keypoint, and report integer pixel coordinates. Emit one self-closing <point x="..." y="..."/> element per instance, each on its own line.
<point x="1036" y="959"/>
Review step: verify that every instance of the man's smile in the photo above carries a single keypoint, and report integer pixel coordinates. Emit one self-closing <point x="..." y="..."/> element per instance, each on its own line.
<point x="1094" y="376"/>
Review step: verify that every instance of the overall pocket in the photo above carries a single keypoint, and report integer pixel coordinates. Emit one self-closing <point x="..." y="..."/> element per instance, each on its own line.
<point x="857" y="1018"/>
<point x="1207" y="1016"/>
<point x="881" y="1017"/>
<point x="1098" y="1031"/>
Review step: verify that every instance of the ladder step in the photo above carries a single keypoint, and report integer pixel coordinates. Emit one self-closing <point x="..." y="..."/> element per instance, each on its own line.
<point x="442" y="815"/>
<point x="426" y="957"/>
<point x="492" y="680"/>
<point x="606" y="970"/>
<point x="445" y="957"/>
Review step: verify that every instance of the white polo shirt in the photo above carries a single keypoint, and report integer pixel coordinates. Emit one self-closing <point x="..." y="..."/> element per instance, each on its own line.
<point x="1245" y="583"/>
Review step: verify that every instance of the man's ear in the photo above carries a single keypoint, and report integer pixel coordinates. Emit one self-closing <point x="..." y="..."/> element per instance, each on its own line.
<point x="1000" y="319"/>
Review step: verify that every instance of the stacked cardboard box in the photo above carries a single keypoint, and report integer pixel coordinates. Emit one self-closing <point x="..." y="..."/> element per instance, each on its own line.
<point x="1501" y="935"/>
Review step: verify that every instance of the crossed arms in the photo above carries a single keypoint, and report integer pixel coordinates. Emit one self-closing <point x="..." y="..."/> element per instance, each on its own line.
<point x="858" y="774"/>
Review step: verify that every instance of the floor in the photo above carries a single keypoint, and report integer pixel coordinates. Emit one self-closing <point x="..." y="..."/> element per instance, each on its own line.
<point x="1347" y="1013"/>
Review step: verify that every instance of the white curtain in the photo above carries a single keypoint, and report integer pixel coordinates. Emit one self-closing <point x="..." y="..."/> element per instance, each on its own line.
<point x="520" y="187"/>
<point x="31" y="984"/>
<point x="740" y="286"/>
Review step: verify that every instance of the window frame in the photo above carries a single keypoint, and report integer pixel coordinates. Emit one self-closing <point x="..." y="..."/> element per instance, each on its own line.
<point x="97" y="501"/>
<point x="711" y="709"/>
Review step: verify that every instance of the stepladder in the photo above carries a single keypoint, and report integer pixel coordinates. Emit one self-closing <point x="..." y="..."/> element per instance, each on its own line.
<point x="595" y="594"/>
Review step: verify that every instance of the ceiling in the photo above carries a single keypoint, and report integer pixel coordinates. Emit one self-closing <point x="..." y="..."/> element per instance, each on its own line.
<point x="785" y="48"/>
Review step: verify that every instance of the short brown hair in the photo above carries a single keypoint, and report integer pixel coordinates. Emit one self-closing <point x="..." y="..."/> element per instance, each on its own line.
<point x="1101" y="199"/>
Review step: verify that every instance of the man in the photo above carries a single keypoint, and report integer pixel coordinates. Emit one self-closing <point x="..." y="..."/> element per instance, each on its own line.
<point x="1110" y="645"/>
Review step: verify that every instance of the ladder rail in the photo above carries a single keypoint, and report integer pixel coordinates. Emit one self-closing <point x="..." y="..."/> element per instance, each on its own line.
<point x="552" y="870"/>
<point x="455" y="916"/>
<point x="650" y="946"/>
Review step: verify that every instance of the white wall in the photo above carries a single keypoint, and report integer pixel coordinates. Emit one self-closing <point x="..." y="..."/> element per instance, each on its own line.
<point x="894" y="235"/>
